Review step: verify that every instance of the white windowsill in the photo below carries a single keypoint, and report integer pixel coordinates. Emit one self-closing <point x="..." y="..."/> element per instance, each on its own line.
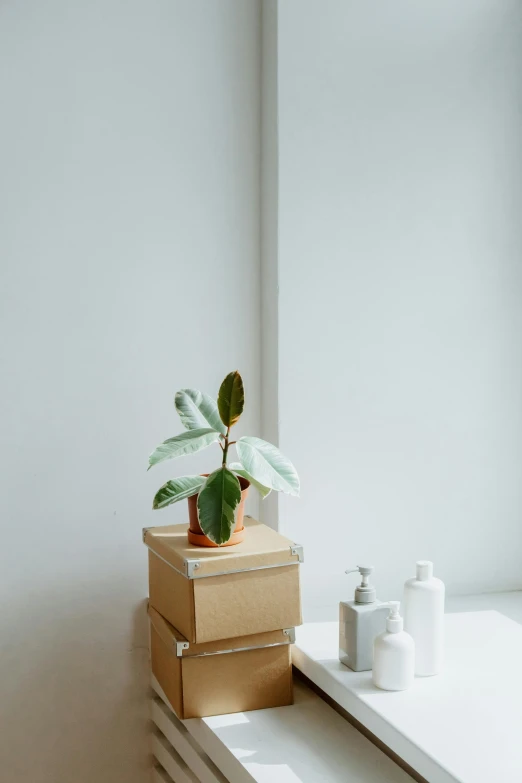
<point x="307" y="742"/>
<point x="463" y="726"/>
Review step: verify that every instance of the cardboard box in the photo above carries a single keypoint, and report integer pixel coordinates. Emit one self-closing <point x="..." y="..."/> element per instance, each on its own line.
<point x="220" y="593"/>
<point x="232" y="675"/>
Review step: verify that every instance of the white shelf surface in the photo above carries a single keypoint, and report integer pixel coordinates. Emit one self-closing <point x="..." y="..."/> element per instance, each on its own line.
<point x="463" y="726"/>
<point x="307" y="742"/>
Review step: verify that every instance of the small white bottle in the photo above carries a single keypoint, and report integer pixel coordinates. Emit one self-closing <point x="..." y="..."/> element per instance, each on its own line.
<point x="394" y="654"/>
<point x="424" y="618"/>
<point x="359" y="624"/>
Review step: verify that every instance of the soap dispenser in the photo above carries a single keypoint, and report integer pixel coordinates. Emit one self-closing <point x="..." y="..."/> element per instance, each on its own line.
<point x="394" y="654"/>
<point x="359" y="623"/>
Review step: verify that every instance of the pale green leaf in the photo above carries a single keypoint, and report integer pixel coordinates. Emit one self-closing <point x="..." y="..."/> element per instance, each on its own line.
<point x="217" y="502"/>
<point x="186" y="443"/>
<point x="267" y="465"/>
<point x="231" y="399"/>
<point x="238" y="468"/>
<point x="198" y="410"/>
<point x="177" y="489"/>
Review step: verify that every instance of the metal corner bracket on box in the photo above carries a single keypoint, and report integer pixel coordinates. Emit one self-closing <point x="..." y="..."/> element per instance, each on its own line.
<point x="297" y="549"/>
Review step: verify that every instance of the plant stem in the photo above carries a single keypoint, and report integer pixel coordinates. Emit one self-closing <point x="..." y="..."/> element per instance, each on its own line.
<point x="225" y="450"/>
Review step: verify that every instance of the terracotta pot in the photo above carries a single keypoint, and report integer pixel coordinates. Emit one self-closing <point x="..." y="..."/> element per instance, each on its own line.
<point x="196" y="535"/>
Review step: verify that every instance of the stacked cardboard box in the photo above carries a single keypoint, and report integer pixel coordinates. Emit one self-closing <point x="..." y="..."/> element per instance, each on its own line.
<point x="222" y="620"/>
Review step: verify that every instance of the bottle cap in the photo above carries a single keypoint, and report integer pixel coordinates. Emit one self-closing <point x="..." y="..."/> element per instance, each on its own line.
<point x="424" y="570"/>
<point x="364" y="593"/>
<point x="394" y="622"/>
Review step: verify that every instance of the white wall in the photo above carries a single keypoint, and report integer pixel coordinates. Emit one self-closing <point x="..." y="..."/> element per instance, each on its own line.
<point x="400" y="317"/>
<point x="269" y="508"/>
<point x="129" y="249"/>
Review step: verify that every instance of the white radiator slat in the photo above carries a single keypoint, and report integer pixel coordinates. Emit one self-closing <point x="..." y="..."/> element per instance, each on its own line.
<point x="160" y="776"/>
<point x="213" y="747"/>
<point x="221" y="755"/>
<point x="171" y="761"/>
<point x="178" y="736"/>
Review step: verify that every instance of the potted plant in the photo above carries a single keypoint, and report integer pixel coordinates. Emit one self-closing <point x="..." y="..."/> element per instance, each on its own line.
<point x="216" y="500"/>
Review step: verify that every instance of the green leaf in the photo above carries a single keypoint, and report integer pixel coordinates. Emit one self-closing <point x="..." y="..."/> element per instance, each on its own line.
<point x="217" y="502"/>
<point x="267" y="465"/>
<point x="231" y="399"/>
<point x="186" y="443"/>
<point x="177" y="489"/>
<point x="238" y="468"/>
<point x="197" y="410"/>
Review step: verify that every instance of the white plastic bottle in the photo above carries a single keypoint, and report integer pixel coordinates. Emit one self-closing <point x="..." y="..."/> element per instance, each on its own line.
<point x="393" y="654"/>
<point x="359" y="623"/>
<point x="424" y="618"/>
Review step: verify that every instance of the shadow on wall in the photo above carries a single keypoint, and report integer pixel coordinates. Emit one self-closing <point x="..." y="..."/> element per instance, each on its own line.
<point x="79" y="704"/>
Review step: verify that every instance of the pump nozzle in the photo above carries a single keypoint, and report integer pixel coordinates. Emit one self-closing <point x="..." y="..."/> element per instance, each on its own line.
<point x="365" y="592"/>
<point x="394" y="622"/>
<point x="364" y="571"/>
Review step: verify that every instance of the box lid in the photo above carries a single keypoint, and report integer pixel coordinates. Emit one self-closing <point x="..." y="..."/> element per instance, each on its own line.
<point x="261" y="548"/>
<point x="185" y="649"/>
